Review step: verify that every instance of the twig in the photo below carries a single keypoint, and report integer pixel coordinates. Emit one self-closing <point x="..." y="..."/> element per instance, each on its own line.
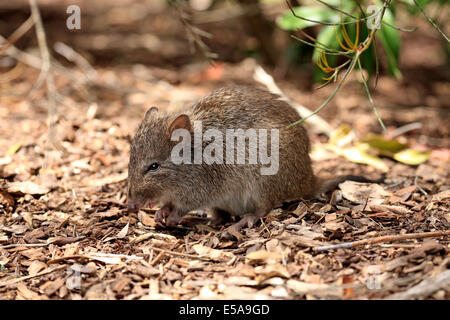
<point x="418" y="187"/>
<point x="18" y="34"/>
<point x="319" y="45"/>
<point x="55" y="240"/>
<point x="425" y="288"/>
<point x="17" y="245"/>
<point x="14" y="73"/>
<point x="194" y="34"/>
<point x="317" y="122"/>
<point x="392" y="238"/>
<point x="431" y="21"/>
<point x="73" y="56"/>
<point x="404" y="129"/>
<point x="37" y="62"/>
<point x="10" y="282"/>
<point x="329" y="23"/>
<point x="180" y="254"/>
<point x="46" y="74"/>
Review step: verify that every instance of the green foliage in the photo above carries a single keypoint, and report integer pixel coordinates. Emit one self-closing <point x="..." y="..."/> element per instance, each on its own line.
<point x="333" y="14"/>
<point x="412" y="8"/>
<point x="326" y="36"/>
<point x="289" y="22"/>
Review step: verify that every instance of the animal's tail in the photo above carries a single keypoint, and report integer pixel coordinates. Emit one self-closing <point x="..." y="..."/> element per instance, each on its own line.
<point x="326" y="185"/>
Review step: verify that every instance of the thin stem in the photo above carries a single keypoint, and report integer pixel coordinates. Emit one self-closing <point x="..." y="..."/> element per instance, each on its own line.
<point x="370" y="96"/>
<point x="321" y="46"/>
<point x="327" y="23"/>
<point x="18" y="34"/>
<point x="337" y="9"/>
<point x="349" y="70"/>
<point x="431" y="21"/>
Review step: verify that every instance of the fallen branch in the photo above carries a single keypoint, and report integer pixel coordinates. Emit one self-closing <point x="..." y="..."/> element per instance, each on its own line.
<point x="73" y="56"/>
<point x="26" y="245"/>
<point x="59" y="241"/>
<point x="46" y="75"/>
<point x="17" y="34"/>
<point x="401" y="237"/>
<point x="36" y="62"/>
<point x="424" y="288"/>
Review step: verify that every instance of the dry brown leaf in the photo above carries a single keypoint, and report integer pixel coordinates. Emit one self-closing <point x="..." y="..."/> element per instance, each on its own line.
<point x="393" y="209"/>
<point x="146" y="219"/>
<point x="26" y="187"/>
<point x="319" y="289"/>
<point x="123" y="233"/>
<point x="50" y="287"/>
<point x="16" y="229"/>
<point x="111" y="258"/>
<point x="403" y="194"/>
<point x="97" y="292"/>
<point x="26" y="293"/>
<point x="270" y="271"/>
<point x="446" y="216"/>
<point x="33" y="253"/>
<point x="114" y="178"/>
<point x="241" y="281"/>
<point x="264" y="256"/>
<point x="148" y="235"/>
<point x="361" y="192"/>
<point x="6" y="199"/>
<point x="213" y="254"/>
<point x="35" y="267"/>
<point x="424" y="288"/>
<point x="112" y="212"/>
<point x="243" y="293"/>
<point x="120" y="284"/>
<point x="89" y="268"/>
<point x="3" y="238"/>
<point x="441" y="195"/>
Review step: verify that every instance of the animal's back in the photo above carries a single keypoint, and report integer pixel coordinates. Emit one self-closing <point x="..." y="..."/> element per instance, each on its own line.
<point x="245" y="187"/>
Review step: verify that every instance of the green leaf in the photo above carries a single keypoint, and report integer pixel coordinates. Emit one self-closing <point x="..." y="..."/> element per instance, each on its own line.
<point x="288" y="21"/>
<point x="412" y="8"/>
<point x="385" y="146"/>
<point x="390" y="40"/>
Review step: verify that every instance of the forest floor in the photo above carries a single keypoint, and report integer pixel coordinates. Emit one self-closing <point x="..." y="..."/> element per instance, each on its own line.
<point x="65" y="231"/>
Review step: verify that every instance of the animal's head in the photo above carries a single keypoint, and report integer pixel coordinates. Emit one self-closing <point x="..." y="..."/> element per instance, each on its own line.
<point x="152" y="175"/>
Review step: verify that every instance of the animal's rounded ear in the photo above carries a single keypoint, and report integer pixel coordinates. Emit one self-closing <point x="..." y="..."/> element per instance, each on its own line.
<point x="150" y="112"/>
<point x="181" y="122"/>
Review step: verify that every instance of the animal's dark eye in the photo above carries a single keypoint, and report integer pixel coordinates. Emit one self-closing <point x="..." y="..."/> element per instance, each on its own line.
<point x="153" y="167"/>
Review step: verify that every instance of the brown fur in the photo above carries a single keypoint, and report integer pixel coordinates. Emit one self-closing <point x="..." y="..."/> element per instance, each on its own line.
<point x="236" y="189"/>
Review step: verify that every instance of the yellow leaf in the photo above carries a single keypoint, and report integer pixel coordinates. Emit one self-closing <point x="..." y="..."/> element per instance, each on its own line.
<point x="341" y="136"/>
<point x="385" y="146"/>
<point x="359" y="155"/>
<point x="411" y="156"/>
<point x="12" y="150"/>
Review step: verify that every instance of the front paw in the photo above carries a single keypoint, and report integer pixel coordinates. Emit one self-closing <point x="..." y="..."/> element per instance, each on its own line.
<point x="172" y="219"/>
<point x="161" y="215"/>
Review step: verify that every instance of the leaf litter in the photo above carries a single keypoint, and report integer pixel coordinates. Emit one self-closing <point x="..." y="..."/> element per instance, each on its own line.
<point x="65" y="232"/>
